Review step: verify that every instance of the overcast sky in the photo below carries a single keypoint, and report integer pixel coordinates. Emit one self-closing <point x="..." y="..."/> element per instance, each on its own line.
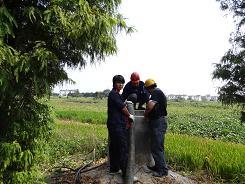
<point x="176" y="44"/>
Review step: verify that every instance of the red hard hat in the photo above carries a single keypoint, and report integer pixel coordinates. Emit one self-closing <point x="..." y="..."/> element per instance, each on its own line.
<point x="135" y="77"/>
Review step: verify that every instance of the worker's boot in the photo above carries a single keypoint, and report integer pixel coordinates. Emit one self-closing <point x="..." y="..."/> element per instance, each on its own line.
<point x="114" y="172"/>
<point x="152" y="168"/>
<point x="160" y="174"/>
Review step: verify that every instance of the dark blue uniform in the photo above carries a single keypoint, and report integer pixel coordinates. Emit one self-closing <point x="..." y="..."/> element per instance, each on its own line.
<point x="116" y="124"/>
<point x="158" y="127"/>
<point x="140" y="91"/>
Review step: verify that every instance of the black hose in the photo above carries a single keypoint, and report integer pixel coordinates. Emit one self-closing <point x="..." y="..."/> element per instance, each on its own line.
<point x="77" y="178"/>
<point x="77" y="170"/>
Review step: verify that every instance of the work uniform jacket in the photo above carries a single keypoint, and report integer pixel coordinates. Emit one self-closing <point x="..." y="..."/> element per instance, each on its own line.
<point x="140" y="91"/>
<point x="115" y="106"/>
<point x="160" y="108"/>
<point x="158" y="127"/>
<point x="116" y="124"/>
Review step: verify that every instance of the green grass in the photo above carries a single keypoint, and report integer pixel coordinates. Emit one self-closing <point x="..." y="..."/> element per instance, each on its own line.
<point x="81" y="127"/>
<point x="205" y="119"/>
<point x="83" y="116"/>
<point x="187" y="153"/>
<point x="84" y="110"/>
<point x="219" y="159"/>
<point x="70" y="138"/>
<point x="78" y="104"/>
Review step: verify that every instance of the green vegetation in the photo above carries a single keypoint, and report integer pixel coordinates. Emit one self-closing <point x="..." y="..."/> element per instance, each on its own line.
<point x="74" y="137"/>
<point x="38" y="39"/>
<point x="206" y="119"/>
<point x="78" y="104"/>
<point x="231" y="68"/>
<point x="218" y="159"/>
<point x="86" y="110"/>
<point x="72" y="140"/>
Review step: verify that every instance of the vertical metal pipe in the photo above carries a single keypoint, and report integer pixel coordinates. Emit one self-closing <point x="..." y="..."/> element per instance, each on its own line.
<point x="143" y="154"/>
<point x="129" y="178"/>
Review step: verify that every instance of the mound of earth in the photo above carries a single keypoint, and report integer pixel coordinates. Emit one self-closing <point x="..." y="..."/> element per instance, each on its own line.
<point x="98" y="174"/>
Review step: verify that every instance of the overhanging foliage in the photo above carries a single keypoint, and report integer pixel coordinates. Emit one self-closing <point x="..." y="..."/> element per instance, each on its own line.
<point x="231" y="69"/>
<point x="37" y="39"/>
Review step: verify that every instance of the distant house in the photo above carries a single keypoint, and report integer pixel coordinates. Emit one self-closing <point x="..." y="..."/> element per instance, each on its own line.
<point x="206" y="98"/>
<point x="177" y="97"/>
<point x="192" y="97"/>
<point x="171" y="97"/>
<point x="66" y="92"/>
<point x="197" y="98"/>
<point x="214" y="98"/>
<point x="183" y="97"/>
<point x="209" y="98"/>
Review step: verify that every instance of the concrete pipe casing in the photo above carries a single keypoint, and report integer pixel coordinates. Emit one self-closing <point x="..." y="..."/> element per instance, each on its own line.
<point x="142" y="140"/>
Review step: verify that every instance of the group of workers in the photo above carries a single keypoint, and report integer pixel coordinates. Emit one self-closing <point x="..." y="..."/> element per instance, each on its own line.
<point x="140" y="92"/>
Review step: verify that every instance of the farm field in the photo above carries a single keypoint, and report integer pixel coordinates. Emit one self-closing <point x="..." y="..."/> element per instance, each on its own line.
<point x="206" y="119"/>
<point x="203" y="137"/>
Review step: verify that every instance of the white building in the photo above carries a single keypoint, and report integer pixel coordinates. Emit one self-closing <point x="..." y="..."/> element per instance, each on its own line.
<point x="65" y="92"/>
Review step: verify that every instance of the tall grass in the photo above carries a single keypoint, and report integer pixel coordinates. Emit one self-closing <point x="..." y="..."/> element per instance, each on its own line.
<point x="219" y="159"/>
<point x="83" y="116"/>
<point x="78" y="104"/>
<point x="81" y="128"/>
<point x="71" y="138"/>
<point x="84" y="110"/>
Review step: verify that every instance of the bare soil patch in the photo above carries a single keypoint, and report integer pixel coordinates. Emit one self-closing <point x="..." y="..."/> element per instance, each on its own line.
<point x="98" y="174"/>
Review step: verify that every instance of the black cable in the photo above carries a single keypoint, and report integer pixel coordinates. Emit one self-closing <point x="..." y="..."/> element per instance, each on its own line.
<point x="77" y="178"/>
<point x="77" y="170"/>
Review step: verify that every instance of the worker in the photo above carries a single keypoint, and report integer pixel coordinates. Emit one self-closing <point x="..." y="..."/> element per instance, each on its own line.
<point x="156" y="112"/>
<point x="135" y="88"/>
<point x="116" y="124"/>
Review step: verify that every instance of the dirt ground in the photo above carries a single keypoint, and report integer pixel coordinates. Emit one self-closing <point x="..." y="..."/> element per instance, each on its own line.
<point x="98" y="174"/>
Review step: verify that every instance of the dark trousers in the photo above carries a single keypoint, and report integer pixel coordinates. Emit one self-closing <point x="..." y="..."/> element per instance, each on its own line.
<point x="118" y="149"/>
<point x="158" y="129"/>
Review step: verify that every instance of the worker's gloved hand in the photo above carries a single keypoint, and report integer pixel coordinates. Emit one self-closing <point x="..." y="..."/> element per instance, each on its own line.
<point x="131" y="118"/>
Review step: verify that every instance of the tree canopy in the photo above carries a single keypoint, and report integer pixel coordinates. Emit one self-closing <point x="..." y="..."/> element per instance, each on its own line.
<point x="37" y="39"/>
<point x="231" y="69"/>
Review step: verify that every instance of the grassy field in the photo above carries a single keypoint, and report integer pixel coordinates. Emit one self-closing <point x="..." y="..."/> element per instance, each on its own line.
<point x="206" y="119"/>
<point x="190" y="142"/>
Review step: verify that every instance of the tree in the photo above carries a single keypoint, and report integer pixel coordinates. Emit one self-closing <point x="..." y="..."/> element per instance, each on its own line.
<point x="106" y="92"/>
<point x="231" y="69"/>
<point x="37" y="39"/>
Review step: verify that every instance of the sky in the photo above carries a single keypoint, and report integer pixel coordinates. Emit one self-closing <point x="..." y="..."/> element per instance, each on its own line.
<point x="176" y="43"/>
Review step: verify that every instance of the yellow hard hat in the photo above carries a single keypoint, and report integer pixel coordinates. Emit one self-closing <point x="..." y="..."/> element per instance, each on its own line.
<point x="149" y="82"/>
